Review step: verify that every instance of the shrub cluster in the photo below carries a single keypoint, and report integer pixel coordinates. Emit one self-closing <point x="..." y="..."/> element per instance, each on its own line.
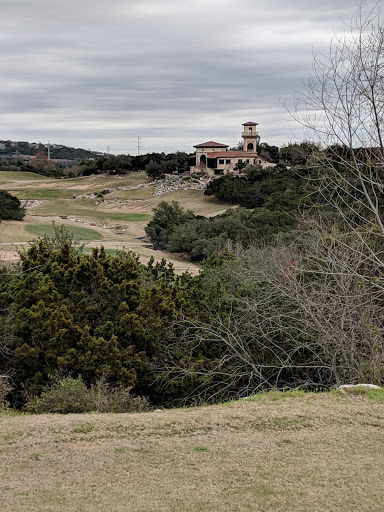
<point x="154" y="164"/>
<point x="5" y="390"/>
<point x="274" y="188"/>
<point x="71" y="395"/>
<point x="176" y="230"/>
<point x="255" y="318"/>
<point x="88" y="315"/>
<point x="10" y="207"/>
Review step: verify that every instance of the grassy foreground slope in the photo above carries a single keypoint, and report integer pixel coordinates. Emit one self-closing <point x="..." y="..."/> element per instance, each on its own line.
<point x="277" y="452"/>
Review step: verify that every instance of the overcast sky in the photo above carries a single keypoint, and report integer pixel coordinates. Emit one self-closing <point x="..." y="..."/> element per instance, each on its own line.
<point x="92" y="73"/>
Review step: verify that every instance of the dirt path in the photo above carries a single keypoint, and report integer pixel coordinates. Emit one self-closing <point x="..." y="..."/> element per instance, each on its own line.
<point x="220" y="212"/>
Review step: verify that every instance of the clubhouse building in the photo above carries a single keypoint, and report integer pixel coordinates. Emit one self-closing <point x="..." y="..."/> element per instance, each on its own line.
<point x="215" y="158"/>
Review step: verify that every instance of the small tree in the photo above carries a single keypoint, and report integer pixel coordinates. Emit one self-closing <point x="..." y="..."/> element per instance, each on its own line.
<point x="10" y="207"/>
<point x="41" y="163"/>
<point x="166" y="218"/>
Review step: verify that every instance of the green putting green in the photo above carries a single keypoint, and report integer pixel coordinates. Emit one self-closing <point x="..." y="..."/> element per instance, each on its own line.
<point x="85" y="234"/>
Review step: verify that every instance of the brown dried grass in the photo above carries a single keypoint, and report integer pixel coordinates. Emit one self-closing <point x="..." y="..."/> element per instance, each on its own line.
<point x="311" y="452"/>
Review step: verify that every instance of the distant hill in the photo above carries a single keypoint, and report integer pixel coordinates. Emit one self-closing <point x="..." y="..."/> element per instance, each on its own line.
<point x="9" y="148"/>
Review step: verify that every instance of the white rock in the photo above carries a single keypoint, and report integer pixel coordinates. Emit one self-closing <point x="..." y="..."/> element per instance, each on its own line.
<point x="371" y="386"/>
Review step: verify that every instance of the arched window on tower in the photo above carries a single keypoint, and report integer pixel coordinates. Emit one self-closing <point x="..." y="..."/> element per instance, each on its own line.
<point x="250" y="147"/>
<point x="250" y="130"/>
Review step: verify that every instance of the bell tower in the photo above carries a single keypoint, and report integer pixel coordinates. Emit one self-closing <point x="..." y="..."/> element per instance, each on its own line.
<point x="250" y="137"/>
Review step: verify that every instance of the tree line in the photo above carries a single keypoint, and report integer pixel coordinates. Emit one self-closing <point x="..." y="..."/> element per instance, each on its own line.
<point x="257" y="317"/>
<point x="155" y="164"/>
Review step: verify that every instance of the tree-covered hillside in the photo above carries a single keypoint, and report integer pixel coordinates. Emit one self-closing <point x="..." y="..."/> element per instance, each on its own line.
<point x="9" y="148"/>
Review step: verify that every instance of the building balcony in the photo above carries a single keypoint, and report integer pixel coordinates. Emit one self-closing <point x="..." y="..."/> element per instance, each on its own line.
<point x="246" y="133"/>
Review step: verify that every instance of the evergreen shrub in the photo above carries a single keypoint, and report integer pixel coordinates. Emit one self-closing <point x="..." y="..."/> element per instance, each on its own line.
<point x="66" y="395"/>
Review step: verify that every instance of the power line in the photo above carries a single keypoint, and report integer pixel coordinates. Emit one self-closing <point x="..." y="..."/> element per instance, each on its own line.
<point x="138" y="145"/>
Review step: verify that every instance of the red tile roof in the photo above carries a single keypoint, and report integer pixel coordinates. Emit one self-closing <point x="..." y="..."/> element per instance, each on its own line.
<point x="211" y="144"/>
<point x="250" y="123"/>
<point x="232" y="154"/>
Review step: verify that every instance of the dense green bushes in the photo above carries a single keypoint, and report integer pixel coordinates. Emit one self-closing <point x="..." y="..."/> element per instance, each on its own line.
<point x="69" y="395"/>
<point x="163" y="337"/>
<point x="275" y="188"/>
<point x="10" y="208"/>
<point x="274" y="195"/>
<point x="154" y="164"/>
<point x="89" y="315"/>
<point x="278" y="317"/>
<point x="255" y="318"/>
<point x="176" y="230"/>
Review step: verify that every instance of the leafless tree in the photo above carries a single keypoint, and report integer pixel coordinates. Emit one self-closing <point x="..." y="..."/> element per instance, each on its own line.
<point x="6" y="354"/>
<point x="334" y="293"/>
<point x="310" y="319"/>
<point x="342" y="108"/>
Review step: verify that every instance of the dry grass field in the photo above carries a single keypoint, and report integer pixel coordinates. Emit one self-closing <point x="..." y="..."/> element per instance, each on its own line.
<point x="275" y="452"/>
<point x="119" y="222"/>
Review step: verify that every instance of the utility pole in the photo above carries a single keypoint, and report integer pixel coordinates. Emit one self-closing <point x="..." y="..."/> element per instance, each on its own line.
<point x="138" y="145"/>
<point x="108" y="149"/>
<point x="49" y="151"/>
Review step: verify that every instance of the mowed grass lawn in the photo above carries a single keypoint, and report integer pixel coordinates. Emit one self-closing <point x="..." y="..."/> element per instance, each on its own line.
<point x="78" y="232"/>
<point x="41" y="193"/>
<point x="277" y="452"/>
<point x="83" y="185"/>
<point x="16" y="176"/>
<point x="130" y="217"/>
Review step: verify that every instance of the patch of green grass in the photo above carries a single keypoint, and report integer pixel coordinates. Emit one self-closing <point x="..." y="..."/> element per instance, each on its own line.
<point x="120" y="450"/>
<point x="105" y="181"/>
<point x="35" y="456"/>
<point x="279" y="423"/>
<point x="377" y="395"/>
<point x="84" y="428"/>
<point x="11" y="438"/>
<point x="122" y="429"/>
<point x="86" y="209"/>
<point x="85" y="234"/>
<point x="261" y="491"/>
<point x="11" y="412"/>
<point x="139" y="194"/>
<point x="45" y="193"/>
<point x="274" y="396"/>
<point x="200" y="449"/>
<point x="271" y="396"/>
<point x="9" y="176"/>
<point x="130" y="217"/>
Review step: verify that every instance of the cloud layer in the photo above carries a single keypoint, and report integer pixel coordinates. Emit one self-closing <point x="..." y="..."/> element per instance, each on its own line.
<point x="92" y="74"/>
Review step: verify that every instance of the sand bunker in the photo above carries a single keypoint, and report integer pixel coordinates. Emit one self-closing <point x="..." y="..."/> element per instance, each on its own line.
<point x="8" y="255"/>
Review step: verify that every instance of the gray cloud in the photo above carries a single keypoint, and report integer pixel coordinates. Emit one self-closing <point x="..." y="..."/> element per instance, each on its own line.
<point x="92" y="74"/>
